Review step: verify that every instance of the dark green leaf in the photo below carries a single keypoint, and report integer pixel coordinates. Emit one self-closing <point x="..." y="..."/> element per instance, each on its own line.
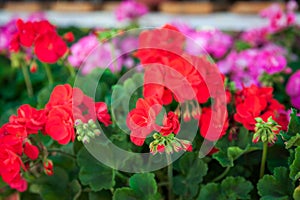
<point x="94" y="173"/>
<point x="125" y="194"/>
<point x="192" y="170"/>
<point x="277" y="186"/>
<point x="295" y="166"/>
<point x="143" y="184"/>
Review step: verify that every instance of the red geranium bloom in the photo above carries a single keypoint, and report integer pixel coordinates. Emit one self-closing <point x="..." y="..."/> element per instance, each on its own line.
<point x="141" y="120"/>
<point x="33" y="120"/>
<point x="26" y="32"/>
<point x="31" y="151"/>
<point x="10" y="166"/>
<point x="205" y="124"/>
<point x="60" y="125"/>
<point x="61" y="95"/>
<point x="49" y="47"/>
<point x="42" y="27"/>
<point x="170" y="124"/>
<point x="253" y="102"/>
<point x="102" y="113"/>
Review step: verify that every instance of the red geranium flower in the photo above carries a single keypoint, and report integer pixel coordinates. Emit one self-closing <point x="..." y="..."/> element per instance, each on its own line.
<point x="141" y="120"/>
<point x="170" y="124"/>
<point x="10" y="166"/>
<point x="31" y="151"/>
<point x="49" y="47"/>
<point x="253" y="102"/>
<point x="33" y="120"/>
<point x="26" y="32"/>
<point x="205" y="124"/>
<point x="102" y="113"/>
<point x="60" y="125"/>
<point x="61" y="95"/>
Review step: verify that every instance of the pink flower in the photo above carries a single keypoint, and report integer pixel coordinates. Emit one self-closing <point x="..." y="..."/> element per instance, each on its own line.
<point x="88" y="53"/>
<point x="130" y="10"/>
<point x="293" y="89"/>
<point x="214" y="42"/>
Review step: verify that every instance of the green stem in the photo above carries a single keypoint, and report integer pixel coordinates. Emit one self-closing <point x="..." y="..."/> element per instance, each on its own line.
<point x="221" y="176"/>
<point x="27" y="80"/>
<point x="71" y="70"/>
<point x="120" y="175"/>
<point x="49" y="74"/>
<point x="263" y="160"/>
<point x="62" y="152"/>
<point x="170" y="176"/>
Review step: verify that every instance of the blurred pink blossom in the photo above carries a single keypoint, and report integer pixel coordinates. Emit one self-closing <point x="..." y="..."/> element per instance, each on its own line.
<point x="293" y="89"/>
<point x="88" y="53"/>
<point x="130" y="10"/>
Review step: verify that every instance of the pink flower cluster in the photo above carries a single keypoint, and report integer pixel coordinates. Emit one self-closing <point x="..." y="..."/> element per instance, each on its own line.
<point x="293" y="89"/>
<point x="246" y="67"/>
<point x="278" y="19"/>
<point x="130" y="10"/>
<point x="89" y="53"/>
<point x="211" y="41"/>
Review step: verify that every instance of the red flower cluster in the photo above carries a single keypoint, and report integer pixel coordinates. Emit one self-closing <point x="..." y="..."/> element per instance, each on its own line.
<point x="56" y="120"/>
<point x="168" y="71"/>
<point x="141" y="120"/>
<point x="172" y="74"/>
<point x="14" y="141"/>
<point x="66" y="105"/>
<point x="48" y="45"/>
<point x="253" y="102"/>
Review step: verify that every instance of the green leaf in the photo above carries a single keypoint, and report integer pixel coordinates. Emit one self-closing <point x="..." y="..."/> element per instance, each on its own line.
<point x="226" y="158"/>
<point x="293" y="141"/>
<point x="94" y="173"/>
<point x="50" y="188"/>
<point x="103" y="195"/>
<point x="236" y="188"/>
<point x="229" y="151"/>
<point x="125" y="194"/>
<point x="295" y="166"/>
<point x="192" y="170"/>
<point x="231" y="188"/>
<point x="294" y="125"/>
<point x="242" y="45"/>
<point x="277" y="186"/>
<point x="143" y="184"/>
<point x="211" y="191"/>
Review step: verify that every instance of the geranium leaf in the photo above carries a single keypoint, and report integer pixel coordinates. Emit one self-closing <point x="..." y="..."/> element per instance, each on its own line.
<point x="94" y="173"/>
<point x="295" y="166"/>
<point x="277" y="186"/>
<point x="125" y="194"/>
<point x="192" y="170"/>
<point x="294" y="125"/>
<point x="236" y="188"/>
<point x="143" y="185"/>
<point x="232" y="188"/>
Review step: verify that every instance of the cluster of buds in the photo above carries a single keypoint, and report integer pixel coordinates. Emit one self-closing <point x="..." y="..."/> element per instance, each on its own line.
<point x="86" y="131"/>
<point x="265" y="131"/>
<point x="48" y="167"/>
<point x="168" y="144"/>
<point x="188" y="114"/>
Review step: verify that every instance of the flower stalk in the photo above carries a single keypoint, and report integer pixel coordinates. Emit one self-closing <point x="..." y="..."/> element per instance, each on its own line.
<point x="49" y="74"/>
<point x="27" y="81"/>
